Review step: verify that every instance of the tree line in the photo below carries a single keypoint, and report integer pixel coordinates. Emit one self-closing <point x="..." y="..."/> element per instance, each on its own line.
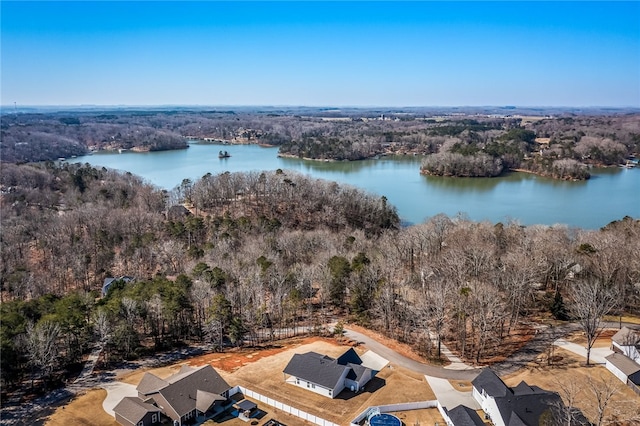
<point x="244" y="258"/>
<point x="454" y="144"/>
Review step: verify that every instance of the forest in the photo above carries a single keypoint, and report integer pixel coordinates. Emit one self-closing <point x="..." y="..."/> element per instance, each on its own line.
<point x="244" y="258"/>
<point x="454" y="142"/>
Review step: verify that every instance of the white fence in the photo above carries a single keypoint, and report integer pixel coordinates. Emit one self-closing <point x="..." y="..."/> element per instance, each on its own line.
<point x="405" y="406"/>
<point x="281" y="406"/>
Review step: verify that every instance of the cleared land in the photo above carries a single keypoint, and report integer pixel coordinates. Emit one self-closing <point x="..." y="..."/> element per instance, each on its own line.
<point x="261" y="371"/>
<point x="265" y="376"/>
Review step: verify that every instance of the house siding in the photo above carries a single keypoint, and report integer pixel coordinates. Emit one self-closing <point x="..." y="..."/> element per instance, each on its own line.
<point x="616" y="372"/>
<point x="628" y="351"/>
<point x="312" y="387"/>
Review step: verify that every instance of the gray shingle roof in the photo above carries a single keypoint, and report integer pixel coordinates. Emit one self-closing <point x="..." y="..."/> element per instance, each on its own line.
<point x="150" y="383"/>
<point x="525" y="410"/>
<point x="315" y="368"/>
<point x="205" y="400"/>
<point x="490" y="383"/>
<point x="626" y="337"/>
<point x="134" y="409"/>
<point x="519" y="406"/>
<point x="623" y="363"/>
<point x="464" y="416"/>
<point x="181" y="393"/>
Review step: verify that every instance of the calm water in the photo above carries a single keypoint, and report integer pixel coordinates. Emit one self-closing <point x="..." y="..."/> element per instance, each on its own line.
<point x="610" y="194"/>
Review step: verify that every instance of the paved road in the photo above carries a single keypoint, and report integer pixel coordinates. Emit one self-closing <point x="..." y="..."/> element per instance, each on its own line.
<point x="541" y="341"/>
<point x="408" y="363"/>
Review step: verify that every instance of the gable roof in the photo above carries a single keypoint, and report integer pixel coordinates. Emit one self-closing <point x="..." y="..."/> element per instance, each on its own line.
<point x="521" y="405"/>
<point x="134" y="409"/>
<point x="150" y="383"/>
<point x="526" y="409"/>
<point x="490" y="383"/>
<point x="181" y="393"/>
<point x="315" y="368"/>
<point x="205" y="400"/>
<point x="349" y="357"/>
<point x="623" y="363"/>
<point x="357" y="372"/>
<point x="626" y="337"/>
<point x="464" y="416"/>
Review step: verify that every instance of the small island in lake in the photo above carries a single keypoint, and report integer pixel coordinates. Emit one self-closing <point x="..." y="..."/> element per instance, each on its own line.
<point x="560" y="143"/>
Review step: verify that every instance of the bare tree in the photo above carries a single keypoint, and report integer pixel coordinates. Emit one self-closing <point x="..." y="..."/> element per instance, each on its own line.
<point x="42" y="346"/>
<point x="565" y="411"/>
<point x="603" y="390"/>
<point x="591" y="301"/>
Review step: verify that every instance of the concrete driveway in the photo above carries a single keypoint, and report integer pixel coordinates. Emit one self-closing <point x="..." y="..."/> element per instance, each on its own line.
<point x="597" y="354"/>
<point x="448" y="396"/>
<point x="115" y="392"/>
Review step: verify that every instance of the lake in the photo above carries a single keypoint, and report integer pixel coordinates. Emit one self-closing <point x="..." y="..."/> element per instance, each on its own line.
<point x="609" y="195"/>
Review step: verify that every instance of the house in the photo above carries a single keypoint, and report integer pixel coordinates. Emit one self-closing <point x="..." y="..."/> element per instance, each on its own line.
<point x="325" y="375"/>
<point x="187" y="394"/>
<point x="108" y="282"/>
<point x="133" y="411"/>
<point x="462" y="416"/>
<point x="522" y="405"/>
<point x="177" y="212"/>
<point x="624" y="368"/>
<point x="627" y="343"/>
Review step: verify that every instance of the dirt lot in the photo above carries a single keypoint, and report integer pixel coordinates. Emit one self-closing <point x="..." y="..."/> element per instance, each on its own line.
<point x="391" y="385"/>
<point x="262" y="372"/>
<point x="570" y="368"/>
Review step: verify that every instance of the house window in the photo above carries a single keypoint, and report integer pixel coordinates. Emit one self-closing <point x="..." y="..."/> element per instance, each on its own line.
<point x="308" y="384"/>
<point x="140" y="423"/>
<point x="297" y="381"/>
<point x="330" y="392"/>
<point x="154" y="418"/>
<point x="313" y="386"/>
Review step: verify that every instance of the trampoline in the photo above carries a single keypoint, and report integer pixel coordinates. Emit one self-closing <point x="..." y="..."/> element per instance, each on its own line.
<point x="384" y="419"/>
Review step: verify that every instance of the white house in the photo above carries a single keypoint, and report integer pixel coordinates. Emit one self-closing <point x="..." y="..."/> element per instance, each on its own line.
<point x="627" y="343"/>
<point x="520" y="405"/>
<point x="327" y="376"/>
<point x="623" y="368"/>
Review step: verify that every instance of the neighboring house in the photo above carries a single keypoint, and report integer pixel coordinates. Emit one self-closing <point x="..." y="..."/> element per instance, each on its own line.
<point x="184" y="396"/>
<point x="462" y="416"/>
<point x="132" y="411"/>
<point x="177" y="212"/>
<point x="327" y="376"/>
<point x="624" y="368"/>
<point x="627" y="343"/>
<point x="523" y="405"/>
<point x="108" y="282"/>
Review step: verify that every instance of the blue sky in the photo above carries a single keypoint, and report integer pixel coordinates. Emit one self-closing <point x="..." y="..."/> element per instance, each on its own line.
<point x="319" y="54"/>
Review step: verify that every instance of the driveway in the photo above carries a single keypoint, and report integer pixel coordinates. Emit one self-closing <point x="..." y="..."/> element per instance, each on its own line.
<point x="448" y="396"/>
<point x="597" y="354"/>
<point x="115" y="392"/>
